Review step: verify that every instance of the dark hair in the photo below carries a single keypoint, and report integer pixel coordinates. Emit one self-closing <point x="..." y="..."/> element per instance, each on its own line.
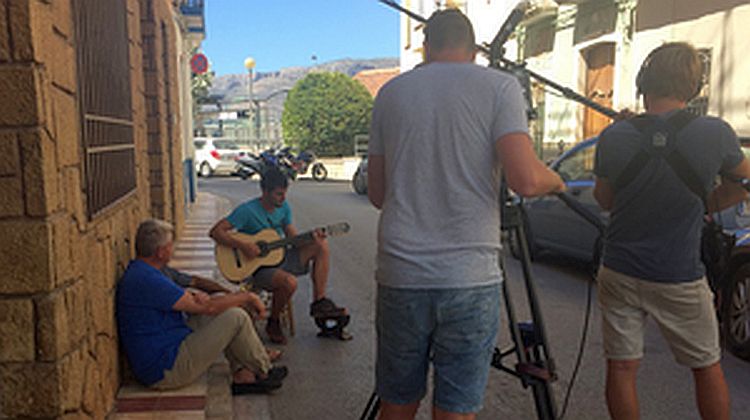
<point x="673" y="70"/>
<point x="273" y="178"/>
<point x="447" y="29"/>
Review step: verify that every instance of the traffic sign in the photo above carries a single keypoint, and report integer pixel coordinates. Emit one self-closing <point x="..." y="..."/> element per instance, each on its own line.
<point x="199" y="63"/>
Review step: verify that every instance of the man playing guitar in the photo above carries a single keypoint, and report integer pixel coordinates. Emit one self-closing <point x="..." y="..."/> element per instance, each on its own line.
<point x="271" y="210"/>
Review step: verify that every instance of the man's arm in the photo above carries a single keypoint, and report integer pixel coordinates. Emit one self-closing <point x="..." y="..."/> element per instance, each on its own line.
<point x="200" y="303"/>
<point x="207" y="285"/>
<point x="604" y="193"/>
<point x="290" y="231"/>
<point x="524" y="172"/>
<point x="221" y="233"/>
<point x="376" y="180"/>
<point x="729" y="192"/>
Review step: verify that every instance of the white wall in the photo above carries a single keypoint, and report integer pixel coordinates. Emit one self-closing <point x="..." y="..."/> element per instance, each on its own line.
<point x="727" y="33"/>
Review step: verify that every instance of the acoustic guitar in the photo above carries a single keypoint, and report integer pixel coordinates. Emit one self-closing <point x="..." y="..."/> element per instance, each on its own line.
<point x="236" y="266"/>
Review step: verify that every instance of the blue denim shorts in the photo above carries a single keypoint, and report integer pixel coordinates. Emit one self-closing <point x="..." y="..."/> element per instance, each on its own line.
<point x="455" y="329"/>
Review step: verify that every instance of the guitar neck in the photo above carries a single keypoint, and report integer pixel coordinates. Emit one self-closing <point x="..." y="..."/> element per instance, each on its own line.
<point x="293" y="241"/>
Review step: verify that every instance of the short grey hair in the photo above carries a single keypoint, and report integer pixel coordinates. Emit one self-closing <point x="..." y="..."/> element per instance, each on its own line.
<point x="152" y="234"/>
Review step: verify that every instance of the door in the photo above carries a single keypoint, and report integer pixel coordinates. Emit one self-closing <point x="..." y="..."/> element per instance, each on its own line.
<point x="600" y="63"/>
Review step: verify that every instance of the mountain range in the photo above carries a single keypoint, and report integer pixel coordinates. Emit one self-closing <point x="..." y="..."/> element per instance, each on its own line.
<point x="234" y="87"/>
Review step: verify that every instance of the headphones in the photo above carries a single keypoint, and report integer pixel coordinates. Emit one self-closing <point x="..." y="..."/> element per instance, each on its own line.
<point x="644" y="74"/>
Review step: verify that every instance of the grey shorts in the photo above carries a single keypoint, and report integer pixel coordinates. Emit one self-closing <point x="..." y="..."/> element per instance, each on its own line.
<point x="292" y="264"/>
<point x="684" y="313"/>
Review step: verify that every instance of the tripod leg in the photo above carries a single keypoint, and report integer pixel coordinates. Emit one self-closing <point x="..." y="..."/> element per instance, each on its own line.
<point x="372" y="408"/>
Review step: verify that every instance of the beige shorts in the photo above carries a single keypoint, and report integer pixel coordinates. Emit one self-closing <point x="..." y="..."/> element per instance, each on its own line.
<point x="684" y="313"/>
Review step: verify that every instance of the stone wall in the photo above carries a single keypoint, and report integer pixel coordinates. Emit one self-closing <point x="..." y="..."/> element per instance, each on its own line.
<point x="58" y="341"/>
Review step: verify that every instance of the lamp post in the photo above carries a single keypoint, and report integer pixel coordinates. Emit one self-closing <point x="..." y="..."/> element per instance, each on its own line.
<point x="250" y="65"/>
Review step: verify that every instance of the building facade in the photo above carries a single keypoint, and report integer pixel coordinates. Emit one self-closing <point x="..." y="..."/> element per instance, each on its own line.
<point x="595" y="47"/>
<point x="92" y="142"/>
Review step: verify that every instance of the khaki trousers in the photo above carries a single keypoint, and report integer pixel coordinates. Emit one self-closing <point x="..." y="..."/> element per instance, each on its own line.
<point x="231" y="332"/>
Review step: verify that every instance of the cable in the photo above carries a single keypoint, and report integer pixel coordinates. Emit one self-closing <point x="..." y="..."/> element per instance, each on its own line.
<point x="581" y="348"/>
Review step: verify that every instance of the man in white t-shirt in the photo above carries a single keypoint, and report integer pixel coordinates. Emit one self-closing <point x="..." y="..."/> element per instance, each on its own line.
<point x="440" y="134"/>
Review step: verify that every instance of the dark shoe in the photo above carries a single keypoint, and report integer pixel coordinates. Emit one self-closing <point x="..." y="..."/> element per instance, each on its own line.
<point x="278" y="373"/>
<point x="262" y="386"/>
<point x="325" y="308"/>
<point x="273" y="329"/>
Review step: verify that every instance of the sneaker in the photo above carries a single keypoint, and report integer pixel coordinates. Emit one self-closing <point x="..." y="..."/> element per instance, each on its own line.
<point x="273" y="329"/>
<point x="325" y="308"/>
<point x="262" y="386"/>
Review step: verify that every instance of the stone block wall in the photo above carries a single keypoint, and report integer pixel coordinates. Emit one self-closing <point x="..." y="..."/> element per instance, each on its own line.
<point x="58" y="340"/>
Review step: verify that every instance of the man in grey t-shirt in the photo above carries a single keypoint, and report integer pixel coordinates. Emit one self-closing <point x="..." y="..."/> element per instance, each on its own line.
<point x="651" y="264"/>
<point x="440" y="134"/>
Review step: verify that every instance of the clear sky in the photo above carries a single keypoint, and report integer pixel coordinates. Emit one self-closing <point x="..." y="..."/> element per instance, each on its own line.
<point x="284" y="33"/>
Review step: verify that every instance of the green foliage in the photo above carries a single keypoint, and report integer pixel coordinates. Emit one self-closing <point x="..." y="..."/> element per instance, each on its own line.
<point x="324" y="111"/>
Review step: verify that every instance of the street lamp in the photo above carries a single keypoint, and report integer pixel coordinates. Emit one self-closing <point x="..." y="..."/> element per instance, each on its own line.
<point x="250" y="65"/>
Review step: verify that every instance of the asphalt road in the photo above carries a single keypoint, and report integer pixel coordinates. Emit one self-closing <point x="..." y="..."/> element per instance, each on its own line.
<point x="330" y="379"/>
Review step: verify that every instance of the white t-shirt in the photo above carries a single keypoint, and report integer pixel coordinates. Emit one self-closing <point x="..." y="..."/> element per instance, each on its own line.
<point x="436" y="127"/>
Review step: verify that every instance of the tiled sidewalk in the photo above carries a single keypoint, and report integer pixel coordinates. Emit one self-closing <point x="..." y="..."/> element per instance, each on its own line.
<point x="209" y="397"/>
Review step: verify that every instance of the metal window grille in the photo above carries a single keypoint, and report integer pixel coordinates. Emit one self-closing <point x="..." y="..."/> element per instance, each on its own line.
<point x="105" y="101"/>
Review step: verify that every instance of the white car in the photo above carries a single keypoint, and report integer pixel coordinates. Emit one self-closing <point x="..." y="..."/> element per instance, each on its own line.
<point x="215" y="156"/>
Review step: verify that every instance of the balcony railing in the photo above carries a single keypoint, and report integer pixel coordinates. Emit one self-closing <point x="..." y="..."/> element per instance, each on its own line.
<point x="192" y="11"/>
<point x="192" y="7"/>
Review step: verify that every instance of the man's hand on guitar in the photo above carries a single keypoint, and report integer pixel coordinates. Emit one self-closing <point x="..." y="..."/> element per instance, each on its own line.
<point x="319" y="235"/>
<point x="250" y="249"/>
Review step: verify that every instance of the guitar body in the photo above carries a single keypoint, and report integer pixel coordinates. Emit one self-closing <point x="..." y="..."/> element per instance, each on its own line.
<point x="235" y="266"/>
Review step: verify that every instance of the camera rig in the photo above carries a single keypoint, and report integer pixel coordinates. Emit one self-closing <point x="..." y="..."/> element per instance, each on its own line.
<point x="535" y="366"/>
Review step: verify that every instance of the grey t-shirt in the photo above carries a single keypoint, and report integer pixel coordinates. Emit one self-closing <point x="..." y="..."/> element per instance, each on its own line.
<point x="655" y="224"/>
<point x="436" y="127"/>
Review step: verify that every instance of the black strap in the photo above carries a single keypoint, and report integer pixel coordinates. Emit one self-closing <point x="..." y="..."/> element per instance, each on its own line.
<point x="654" y="139"/>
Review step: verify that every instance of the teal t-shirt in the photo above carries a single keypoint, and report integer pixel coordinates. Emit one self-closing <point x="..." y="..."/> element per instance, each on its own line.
<point x="250" y="217"/>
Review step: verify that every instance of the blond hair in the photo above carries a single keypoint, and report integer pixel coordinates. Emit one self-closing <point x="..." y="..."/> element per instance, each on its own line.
<point x="673" y="70"/>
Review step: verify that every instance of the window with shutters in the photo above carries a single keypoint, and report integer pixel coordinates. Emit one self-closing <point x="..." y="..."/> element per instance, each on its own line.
<point x="105" y="102"/>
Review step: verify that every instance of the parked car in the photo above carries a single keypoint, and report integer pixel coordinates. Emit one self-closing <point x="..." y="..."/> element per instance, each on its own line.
<point x="215" y="156"/>
<point x="359" y="180"/>
<point x="551" y="226"/>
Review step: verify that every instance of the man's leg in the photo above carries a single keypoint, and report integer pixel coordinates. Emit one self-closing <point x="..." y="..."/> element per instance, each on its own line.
<point x="622" y="396"/>
<point x="283" y="285"/>
<point x="404" y="324"/>
<point x="318" y="254"/>
<point x="462" y="344"/>
<point x="210" y="337"/>
<point x="439" y="414"/>
<point x="711" y="392"/>
<point x="390" y="411"/>
<point x="623" y="323"/>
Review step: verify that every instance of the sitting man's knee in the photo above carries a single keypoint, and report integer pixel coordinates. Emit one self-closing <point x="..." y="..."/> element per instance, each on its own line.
<point x="237" y="314"/>
<point x="290" y="283"/>
<point x="623" y="366"/>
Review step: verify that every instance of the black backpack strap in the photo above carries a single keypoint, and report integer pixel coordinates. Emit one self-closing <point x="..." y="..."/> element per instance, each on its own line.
<point x="674" y="158"/>
<point x="635" y="165"/>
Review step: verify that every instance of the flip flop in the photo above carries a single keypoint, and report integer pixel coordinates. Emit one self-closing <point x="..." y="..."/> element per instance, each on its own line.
<point x="273" y="354"/>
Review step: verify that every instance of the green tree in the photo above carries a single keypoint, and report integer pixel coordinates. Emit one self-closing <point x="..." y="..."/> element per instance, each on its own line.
<point x="324" y="111"/>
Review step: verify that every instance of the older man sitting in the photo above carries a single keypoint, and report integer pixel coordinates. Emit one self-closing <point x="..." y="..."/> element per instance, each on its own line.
<point x="167" y="351"/>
